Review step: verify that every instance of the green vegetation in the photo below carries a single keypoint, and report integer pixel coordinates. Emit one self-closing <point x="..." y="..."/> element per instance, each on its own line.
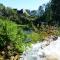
<point x="19" y="29"/>
<point x="11" y="35"/>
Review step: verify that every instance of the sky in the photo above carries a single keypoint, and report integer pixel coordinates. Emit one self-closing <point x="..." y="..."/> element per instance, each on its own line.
<point x="24" y="4"/>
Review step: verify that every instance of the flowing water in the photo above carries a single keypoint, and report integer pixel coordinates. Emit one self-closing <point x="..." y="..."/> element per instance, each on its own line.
<point x="46" y="50"/>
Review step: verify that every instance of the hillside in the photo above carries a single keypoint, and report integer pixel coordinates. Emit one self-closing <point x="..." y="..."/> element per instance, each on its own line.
<point x="21" y="28"/>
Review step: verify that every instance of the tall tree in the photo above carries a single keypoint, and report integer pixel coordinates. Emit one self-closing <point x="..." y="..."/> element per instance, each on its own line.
<point x="55" y="4"/>
<point x="40" y="11"/>
<point x="48" y="12"/>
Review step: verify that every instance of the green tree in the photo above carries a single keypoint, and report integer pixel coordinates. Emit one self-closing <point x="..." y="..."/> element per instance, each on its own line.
<point x="11" y="35"/>
<point x="55" y="5"/>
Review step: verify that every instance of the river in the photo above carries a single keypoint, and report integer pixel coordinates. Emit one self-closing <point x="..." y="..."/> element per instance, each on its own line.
<point x="46" y="50"/>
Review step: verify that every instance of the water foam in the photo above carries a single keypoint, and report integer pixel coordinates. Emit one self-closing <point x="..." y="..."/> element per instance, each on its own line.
<point x="46" y="50"/>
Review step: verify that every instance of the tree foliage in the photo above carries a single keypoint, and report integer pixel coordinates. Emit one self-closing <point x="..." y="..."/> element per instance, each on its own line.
<point x="55" y="5"/>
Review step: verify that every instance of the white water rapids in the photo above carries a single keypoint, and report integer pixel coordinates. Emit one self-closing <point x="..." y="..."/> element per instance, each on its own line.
<point x="46" y="50"/>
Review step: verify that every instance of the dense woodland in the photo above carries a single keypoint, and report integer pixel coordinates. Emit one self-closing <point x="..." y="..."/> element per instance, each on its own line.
<point x="21" y="28"/>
